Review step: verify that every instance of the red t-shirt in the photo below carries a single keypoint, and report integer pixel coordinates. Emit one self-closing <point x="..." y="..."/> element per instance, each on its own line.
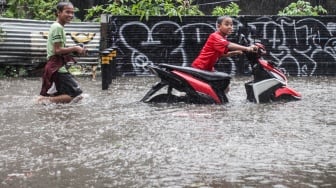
<point x="214" y="48"/>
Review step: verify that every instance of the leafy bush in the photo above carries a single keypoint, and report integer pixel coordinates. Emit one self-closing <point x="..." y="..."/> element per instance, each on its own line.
<point x="31" y="9"/>
<point x="302" y="8"/>
<point x="12" y="71"/>
<point x="144" y="8"/>
<point x="231" y="10"/>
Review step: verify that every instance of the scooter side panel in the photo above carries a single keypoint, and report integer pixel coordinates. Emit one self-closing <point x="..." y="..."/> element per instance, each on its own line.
<point x="275" y="72"/>
<point x="287" y="91"/>
<point x="262" y="86"/>
<point x="199" y="86"/>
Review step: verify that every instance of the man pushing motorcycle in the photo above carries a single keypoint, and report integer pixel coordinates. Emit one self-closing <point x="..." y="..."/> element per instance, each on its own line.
<point x="217" y="46"/>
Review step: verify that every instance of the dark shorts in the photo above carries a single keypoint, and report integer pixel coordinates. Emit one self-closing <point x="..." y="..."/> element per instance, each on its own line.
<point x="66" y="84"/>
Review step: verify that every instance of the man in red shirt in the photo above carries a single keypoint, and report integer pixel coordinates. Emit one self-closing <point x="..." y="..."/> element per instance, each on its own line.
<point x="217" y="46"/>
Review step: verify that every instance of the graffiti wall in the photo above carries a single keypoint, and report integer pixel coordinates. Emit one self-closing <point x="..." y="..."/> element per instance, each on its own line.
<point x="301" y="46"/>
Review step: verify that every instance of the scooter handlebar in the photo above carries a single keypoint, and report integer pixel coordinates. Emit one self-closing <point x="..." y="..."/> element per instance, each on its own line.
<point x="261" y="48"/>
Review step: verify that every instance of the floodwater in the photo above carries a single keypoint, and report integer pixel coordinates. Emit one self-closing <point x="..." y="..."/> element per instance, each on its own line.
<point x="110" y="139"/>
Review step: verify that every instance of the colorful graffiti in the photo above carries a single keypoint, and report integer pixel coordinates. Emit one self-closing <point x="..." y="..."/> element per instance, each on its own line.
<point x="303" y="43"/>
<point x="301" y="46"/>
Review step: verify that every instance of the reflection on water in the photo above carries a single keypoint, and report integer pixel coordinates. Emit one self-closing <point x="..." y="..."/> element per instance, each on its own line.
<point x="109" y="139"/>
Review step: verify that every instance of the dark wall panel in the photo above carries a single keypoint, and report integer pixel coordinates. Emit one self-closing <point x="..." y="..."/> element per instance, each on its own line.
<point x="302" y="46"/>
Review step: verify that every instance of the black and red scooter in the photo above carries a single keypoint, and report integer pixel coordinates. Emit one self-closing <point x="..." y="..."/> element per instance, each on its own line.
<point x="195" y="86"/>
<point x="269" y="82"/>
<point x="203" y="87"/>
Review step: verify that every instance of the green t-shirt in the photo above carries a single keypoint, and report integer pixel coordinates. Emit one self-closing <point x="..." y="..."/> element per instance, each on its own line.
<point x="56" y="34"/>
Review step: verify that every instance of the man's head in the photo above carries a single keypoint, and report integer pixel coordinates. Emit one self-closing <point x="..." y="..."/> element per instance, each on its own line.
<point x="64" y="12"/>
<point x="225" y="25"/>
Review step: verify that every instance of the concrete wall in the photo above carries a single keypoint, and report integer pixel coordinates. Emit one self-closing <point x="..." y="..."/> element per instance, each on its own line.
<point x="24" y="41"/>
<point x="302" y="46"/>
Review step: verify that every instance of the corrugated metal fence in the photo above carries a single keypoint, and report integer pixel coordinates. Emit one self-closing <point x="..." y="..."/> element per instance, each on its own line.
<point x="23" y="42"/>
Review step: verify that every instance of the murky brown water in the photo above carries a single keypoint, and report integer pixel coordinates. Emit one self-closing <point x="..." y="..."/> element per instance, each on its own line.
<point x="109" y="139"/>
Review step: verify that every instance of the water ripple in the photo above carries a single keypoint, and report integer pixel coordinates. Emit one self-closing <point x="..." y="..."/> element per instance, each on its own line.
<point x="110" y="139"/>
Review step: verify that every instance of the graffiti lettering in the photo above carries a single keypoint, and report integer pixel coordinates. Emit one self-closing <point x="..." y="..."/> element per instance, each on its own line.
<point x="301" y="46"/>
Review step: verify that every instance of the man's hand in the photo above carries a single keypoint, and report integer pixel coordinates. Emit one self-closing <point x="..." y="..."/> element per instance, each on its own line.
<point x="233" y="53"/>
<point x="236" y="52"/>
<point x="252" y="48"/>
<point x="80" y="50"/>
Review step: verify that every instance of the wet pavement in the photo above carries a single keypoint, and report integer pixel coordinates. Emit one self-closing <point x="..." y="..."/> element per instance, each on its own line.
<point x="110" y="139"/>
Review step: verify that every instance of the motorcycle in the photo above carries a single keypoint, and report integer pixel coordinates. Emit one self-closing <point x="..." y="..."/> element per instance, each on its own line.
<point x="198" y="86"/>
<point x="269" y="82"/>
<point x="204" y="87"/>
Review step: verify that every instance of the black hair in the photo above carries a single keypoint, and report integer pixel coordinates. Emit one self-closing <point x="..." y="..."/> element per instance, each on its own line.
<point x="221" y="18"/>
<point x="60" y="6"/>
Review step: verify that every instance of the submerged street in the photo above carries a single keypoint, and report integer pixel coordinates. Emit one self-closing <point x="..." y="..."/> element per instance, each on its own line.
<point x="110" y="139"/>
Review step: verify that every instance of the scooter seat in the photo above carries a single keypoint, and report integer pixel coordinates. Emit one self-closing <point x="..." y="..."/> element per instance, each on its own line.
<point x="205" y="75"/>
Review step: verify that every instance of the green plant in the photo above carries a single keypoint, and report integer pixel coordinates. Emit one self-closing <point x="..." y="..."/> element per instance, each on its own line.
<point x="12" y="71"/>
<point x="93" y="12"/>
<point x="144" y="8"/>
<point x="115" y="8"/>
<point x="231" y="10"/>
<point x="44" y="10"/>
<point x="31" y="9"/>
<point x="302" y="8"/>
<point x="185" y="8"/>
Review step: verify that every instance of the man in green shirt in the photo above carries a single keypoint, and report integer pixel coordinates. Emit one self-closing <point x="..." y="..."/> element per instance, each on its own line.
<point x="58" y="85"/>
